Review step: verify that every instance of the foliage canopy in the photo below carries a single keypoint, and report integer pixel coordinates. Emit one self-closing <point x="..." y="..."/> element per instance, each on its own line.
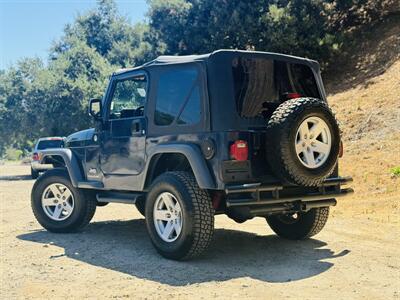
<point x="44" y="99"/>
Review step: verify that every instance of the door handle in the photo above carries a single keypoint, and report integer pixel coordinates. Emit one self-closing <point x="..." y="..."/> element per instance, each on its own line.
<point x="135" y="127"/>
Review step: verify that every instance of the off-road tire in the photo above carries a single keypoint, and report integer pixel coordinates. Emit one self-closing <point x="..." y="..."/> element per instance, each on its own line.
<point x="34" y="173"/>
<point x="92" y="194"/>
<point x="307" y="225"/>
<point x="281" y="135"/>
<point x="198" y="216"/>
<point x="141" y="206"/>
<point x="84" y="207"/>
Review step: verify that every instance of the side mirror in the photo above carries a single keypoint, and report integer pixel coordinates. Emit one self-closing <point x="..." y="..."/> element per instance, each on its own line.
<point x="95" y="108"/>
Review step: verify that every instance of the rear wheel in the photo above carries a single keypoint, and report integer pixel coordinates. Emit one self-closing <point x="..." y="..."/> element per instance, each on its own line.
<point x="179" y="216"/>
<point x="299" y="225"/>
<point x="58" y="206"/>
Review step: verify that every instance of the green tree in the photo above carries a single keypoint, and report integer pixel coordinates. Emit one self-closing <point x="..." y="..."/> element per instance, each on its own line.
<point x="169" y="21"/>
<point x="76" y="76"/>
<point x="297" y="27"/>
<point x="134" y="49"/>
<point x="40" y="100"/>
<point x="16" y="115"/>
<point x="109" y="33"/>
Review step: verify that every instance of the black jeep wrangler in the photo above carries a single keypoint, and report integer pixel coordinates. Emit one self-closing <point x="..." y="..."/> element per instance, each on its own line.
<point x="246" y="134"/>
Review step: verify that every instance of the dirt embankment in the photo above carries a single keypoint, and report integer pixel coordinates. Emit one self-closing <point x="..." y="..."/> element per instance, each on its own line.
<point x="364" y="92"/>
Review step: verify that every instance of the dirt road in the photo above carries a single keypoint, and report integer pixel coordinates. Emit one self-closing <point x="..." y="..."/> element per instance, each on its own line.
<point x="353" y="258"/>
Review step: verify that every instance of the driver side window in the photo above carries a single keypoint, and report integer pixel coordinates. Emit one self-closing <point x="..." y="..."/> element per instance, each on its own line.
<point x="129" y="98"/>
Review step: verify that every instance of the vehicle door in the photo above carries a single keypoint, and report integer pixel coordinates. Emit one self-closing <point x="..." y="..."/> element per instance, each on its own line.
<point x="122" y="145"/>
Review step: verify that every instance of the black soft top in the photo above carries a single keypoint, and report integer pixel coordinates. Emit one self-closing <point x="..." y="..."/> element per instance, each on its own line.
<point x="221" y="54"/>
<point x="220" y="83"/>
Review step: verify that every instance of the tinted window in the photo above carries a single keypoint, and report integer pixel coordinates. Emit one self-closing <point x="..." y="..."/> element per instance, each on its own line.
<point x="178" y="97"/>
<point x="49" y="144"/>
<point x="192" y="111"/>
<point x="261" y="82"/>
<point x="129" y="98"/>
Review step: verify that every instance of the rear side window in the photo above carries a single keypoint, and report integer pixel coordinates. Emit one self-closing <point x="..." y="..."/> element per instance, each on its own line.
<point x="49" y="144"/>
<point x="178" y="97"/>
<point x="260" y="82"/>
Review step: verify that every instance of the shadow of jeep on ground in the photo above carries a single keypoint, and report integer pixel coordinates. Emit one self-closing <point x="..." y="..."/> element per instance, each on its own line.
<point x="124" y="246"/>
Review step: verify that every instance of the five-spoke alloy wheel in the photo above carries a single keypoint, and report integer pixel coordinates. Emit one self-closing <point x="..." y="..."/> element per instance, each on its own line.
<point x="179" y="216"/>
<point x="303" y="141"/>
<point x="58" y="206"/>
<point x="313" y="142"/>
<point x="57" y="202"/>
<point x="167" y="216"/>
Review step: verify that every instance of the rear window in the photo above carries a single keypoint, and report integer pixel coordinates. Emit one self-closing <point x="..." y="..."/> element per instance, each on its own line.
<point x="49" y="144"/>
<point x="260" y="82"/>
<point x="178" y="97"/>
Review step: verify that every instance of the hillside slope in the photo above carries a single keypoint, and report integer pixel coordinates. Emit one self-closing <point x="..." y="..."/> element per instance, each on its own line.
<point x="365" y="96"/>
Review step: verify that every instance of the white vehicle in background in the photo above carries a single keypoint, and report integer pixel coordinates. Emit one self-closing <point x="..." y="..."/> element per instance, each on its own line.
<point x="44" y="143"/>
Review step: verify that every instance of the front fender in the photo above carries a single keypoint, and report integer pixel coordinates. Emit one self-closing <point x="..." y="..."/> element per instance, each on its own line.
<point x="71" y="162"/>
<point x="194" y="156"/>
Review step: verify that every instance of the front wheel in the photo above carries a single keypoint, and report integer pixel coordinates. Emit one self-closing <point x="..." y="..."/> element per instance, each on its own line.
<point x="58" y="206"/>
<point x="299" y="225"/>
<point x="179" y="216"/>
<point x="141" y="206"/>
<point x="34" y="173"/>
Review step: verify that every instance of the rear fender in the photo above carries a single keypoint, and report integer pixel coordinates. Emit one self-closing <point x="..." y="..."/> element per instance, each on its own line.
<point x="195" y="158"/>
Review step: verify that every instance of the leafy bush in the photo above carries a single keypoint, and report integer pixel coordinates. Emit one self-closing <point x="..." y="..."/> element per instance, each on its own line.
<point x="13" y="154"/>
<point x="395" y="171"/>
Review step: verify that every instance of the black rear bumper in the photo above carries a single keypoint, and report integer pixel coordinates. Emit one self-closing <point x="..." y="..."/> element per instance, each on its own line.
<point x="265" y="199"/>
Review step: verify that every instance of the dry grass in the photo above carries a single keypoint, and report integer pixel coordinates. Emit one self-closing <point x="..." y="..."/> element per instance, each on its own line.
<point x="370" y="120"/>
<point x="368" y="108"/>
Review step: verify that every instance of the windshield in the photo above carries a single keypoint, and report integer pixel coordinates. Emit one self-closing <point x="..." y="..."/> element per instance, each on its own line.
<point x="260" y="83"/>
<point x="49" y="144"/>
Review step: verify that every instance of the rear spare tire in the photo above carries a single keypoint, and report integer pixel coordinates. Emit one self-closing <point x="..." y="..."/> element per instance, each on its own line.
<point x="303" y="141"/>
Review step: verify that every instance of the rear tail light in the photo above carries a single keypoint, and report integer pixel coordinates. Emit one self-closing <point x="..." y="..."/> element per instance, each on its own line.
<point x="239" y="150"/>
<point x="293" y="95"/>
<point x="341" y="149"/>
<point x="35" y="156"/>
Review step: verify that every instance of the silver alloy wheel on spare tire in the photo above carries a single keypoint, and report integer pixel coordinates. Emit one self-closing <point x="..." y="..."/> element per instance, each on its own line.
<point x="167" y="216"/>
<point x="313" y="142"/>
<point x="57" y="202"/>
<point x="303" y="141"/>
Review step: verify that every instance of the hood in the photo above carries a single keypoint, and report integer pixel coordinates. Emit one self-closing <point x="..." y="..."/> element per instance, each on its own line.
<point x="80" y="138"/>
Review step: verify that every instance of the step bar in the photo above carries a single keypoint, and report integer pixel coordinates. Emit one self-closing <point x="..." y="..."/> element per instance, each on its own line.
<point x="115" y="197"/>
<point x="97" y="185"/>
